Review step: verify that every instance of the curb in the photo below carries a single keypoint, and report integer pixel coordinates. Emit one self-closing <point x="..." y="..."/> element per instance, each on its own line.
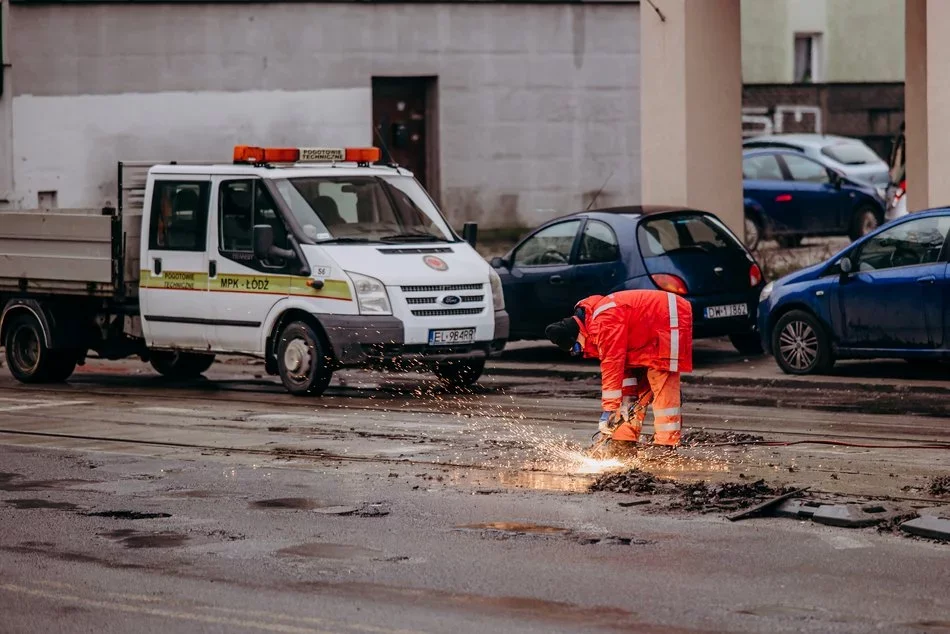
<point x="853" y="385"/>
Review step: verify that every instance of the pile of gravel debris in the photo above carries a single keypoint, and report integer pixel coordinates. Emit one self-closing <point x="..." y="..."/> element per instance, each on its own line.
<point x="696" y="437"/>
<point x="940" y="485"/>
<point x="692" y="496"/>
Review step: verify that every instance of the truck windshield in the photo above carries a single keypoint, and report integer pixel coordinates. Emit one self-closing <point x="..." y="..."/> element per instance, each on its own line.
<point x="363" y="209"/>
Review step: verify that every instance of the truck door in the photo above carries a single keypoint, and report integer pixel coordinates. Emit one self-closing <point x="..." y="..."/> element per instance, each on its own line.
<point x="244" y="288"/>
<point x="173" y="289"/>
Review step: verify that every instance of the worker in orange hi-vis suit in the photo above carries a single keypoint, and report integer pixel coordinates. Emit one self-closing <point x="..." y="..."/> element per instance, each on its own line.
<point x="644" y="340"/>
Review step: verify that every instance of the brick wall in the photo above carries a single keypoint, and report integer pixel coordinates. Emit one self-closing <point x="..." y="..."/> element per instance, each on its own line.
<point x="872" y="112"/>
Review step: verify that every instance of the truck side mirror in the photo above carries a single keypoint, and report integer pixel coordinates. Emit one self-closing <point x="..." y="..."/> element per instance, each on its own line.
<point x="263" y="236"/>
<point x="470" y="233"/>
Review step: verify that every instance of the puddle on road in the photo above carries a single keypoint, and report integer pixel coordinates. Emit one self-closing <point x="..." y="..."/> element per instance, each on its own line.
<point x="517" y="527"/>
<point x="196" y="494"/>
<point x="545" y="480"/>
<point x="7" y="483"/>
<point x="41" y="504"/>
<point x="134" y="539"/>
<point x="321" y="550"/>
<point x="128" y="515"/>
<point x="303" y="504"/>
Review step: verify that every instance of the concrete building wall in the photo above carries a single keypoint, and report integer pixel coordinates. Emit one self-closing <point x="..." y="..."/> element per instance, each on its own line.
<point x="765" y="54"/>
<point x="538" y="104"/>
<point x="865" y="40"/>
<point x="861" y="40"/>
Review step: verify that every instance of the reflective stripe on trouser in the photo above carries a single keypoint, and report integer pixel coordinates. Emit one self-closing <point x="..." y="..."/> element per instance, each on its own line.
<point x="667" y="413"/>
<point x="636" y="389"/>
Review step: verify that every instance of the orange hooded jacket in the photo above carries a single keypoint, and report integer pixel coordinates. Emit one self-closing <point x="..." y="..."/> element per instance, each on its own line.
<point x="650" y="329"/>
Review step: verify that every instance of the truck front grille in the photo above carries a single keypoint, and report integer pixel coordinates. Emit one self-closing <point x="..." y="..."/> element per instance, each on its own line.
<point x="441" y="288"/>
<point x="446" y="312"/>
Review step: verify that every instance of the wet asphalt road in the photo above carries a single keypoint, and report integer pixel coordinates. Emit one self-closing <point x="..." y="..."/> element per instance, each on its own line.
<point x="127" y="504"/>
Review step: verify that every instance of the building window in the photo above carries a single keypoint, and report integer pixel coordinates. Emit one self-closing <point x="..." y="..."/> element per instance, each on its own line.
<point x="807" y="58"/>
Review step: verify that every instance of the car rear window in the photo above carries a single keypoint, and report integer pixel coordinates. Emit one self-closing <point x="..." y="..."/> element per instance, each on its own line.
<point x="850" y="153"/>
<point x="695" y="232"/>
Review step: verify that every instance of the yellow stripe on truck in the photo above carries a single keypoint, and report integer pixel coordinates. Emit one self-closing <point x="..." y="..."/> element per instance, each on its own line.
<point x="245" y="283"/>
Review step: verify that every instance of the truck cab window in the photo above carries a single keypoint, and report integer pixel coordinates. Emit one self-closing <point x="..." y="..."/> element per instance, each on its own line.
<point x="241" y="205"/>
<point x="179" y="220"/>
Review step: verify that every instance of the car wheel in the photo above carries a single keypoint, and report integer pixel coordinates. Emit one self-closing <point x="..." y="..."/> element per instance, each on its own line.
<point x="28" y="358"/>
<point x="302" y="360"/>
<point x="459" y="373"/>
<point x="746" y="342"/>
<point x="863" y="222"/>
<point x="753" y="232"/>
<point x="180" y="365"/>
<point x="800" y="344"/>
<point x="789" y="242"/>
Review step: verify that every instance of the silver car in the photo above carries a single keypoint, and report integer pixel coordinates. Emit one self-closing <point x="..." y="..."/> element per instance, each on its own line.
<point x="852" y="157"/>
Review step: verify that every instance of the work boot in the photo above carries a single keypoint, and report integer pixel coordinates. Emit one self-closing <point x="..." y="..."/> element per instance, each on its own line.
<point x="622" y="449"/>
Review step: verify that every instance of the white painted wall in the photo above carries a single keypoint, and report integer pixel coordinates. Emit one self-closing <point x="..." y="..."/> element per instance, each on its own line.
<point x="538" y="104"/>
<point x="71" y="144"/>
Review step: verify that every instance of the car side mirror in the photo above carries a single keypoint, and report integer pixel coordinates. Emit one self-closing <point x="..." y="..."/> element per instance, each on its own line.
<point x="498" y="263"/>
<point x="834" y="178"/>
<point x="470" y="233"/>
<point x="845" y="265"/>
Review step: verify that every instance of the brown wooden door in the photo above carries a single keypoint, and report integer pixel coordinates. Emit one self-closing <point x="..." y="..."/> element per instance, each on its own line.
<point x="400" y="115"/>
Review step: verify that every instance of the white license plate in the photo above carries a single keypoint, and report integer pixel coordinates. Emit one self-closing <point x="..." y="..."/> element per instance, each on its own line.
<point x="451" y="336"/>
<point x="729" y="310"/>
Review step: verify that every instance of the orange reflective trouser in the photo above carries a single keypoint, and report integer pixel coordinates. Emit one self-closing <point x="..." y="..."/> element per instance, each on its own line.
<point x="663" y="390"/>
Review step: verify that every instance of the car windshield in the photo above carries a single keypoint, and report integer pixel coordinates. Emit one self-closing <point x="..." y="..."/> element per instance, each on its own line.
<point x="363" y="209"/>
<point x="850" y="153"/>
<point x="665" y="235"/>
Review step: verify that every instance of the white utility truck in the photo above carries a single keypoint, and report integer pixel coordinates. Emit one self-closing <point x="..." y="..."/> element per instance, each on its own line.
<point x="312" y="258"/>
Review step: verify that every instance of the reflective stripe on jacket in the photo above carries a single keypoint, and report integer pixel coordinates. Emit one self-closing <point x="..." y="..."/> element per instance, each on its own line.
<point x="651" y="329"/>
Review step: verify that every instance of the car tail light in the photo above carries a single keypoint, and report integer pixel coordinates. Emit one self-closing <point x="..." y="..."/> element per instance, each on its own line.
<point x="755" y="275"/>
<point x="670" y="283"/>
<point x="901" y="190"/>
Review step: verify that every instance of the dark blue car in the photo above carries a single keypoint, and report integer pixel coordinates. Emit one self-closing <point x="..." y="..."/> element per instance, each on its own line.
<point x="789" y="196"/>
<point x="683" y="251"/>
<point x="886" y="295"/>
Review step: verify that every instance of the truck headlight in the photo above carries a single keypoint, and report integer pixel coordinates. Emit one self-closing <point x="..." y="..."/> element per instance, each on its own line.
<point x="497" y="292"/>
<point x="371" y="295"/>
<point x="766" y="291"/>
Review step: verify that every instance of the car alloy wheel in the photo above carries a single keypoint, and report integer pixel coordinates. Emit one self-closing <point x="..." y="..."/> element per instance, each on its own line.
<point x="798" y="345"/>
<point x="752" y="236"/>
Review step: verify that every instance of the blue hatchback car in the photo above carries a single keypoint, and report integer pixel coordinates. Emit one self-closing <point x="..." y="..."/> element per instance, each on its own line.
<point x="886" y="295"/>
<point x="682" y="251"/>
<point x="789" y="196"/>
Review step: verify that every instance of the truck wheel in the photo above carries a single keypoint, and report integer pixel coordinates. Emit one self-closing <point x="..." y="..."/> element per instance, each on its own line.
<point x="29" y="359"/>
<point x="800" y="344"/>
<point x="302" y="360"/>
<point x="459" y="373"/>
<point x="746" y="342"/>
<point x="180" y="365"/>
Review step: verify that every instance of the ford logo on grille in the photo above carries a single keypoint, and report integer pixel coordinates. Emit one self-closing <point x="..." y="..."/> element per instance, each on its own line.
<point x="451" y="300"/>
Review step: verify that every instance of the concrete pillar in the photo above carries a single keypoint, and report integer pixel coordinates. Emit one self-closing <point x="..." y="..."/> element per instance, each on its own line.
<point x="927" y="103"/>
<point x="6" y="108"/>
<point x="691" y="104"/>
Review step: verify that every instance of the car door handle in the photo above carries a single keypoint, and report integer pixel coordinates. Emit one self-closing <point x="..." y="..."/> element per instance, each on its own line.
<point x="929" y="279"/>
<point x="556" y="279"/>
<point x="212" y="268"/>
<point x="158" y="266"/>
